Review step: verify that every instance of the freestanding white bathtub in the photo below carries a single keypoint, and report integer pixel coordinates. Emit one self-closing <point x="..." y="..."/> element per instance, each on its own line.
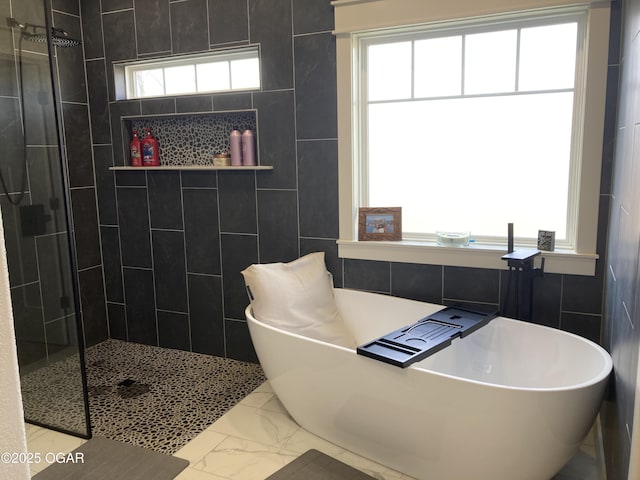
<point x="511" y="401"/>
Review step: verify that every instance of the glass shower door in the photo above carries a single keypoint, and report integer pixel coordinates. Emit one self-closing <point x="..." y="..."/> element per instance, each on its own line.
<point x="34" y="204"/>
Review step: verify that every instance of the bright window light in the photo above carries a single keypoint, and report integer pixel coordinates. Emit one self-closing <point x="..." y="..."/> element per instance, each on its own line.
<point x="548" y="57"/>
<point x="442" y="55"/>
<point x="220" y="71"/>
<point x="245" y="74"/>
<point x="487" y="126"/>
<point x="389" y="71"/>
<point x="490" y="62"/>
<point x="148" y="83"/>
<point x="179" y="80"/>
<point x="213" y="76"/>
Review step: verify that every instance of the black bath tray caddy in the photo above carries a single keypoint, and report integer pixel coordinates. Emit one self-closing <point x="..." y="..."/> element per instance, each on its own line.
<point x="427" y="336"/>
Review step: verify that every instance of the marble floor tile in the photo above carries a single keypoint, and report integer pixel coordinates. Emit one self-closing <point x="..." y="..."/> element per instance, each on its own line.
<point x="256" y="424"/>
<point x="257" y="399"/>
<point x="197" y="448"/>
<point x="257" y="437"/>
<point x="193" y="474"/>
<point x="242" y="459"/>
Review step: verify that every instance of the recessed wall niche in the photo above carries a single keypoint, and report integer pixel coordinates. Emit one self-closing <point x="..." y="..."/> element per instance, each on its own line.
<point x="190" y="139"/>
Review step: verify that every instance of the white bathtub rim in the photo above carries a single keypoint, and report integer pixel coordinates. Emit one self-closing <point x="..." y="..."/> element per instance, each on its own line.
<point x="596" y="379"/>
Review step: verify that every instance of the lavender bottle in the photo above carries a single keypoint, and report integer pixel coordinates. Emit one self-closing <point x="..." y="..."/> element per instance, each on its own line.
<point x="248" y="148"/>
<point x="235" y="140"/>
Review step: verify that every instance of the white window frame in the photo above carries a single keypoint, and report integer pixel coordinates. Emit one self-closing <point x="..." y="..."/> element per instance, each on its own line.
<point x="357" y="17"/>
<point x="130" y="68"/>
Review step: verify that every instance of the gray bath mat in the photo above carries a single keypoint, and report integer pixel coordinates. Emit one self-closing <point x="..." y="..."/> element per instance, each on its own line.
<point x="315" y="465"/>
<point x="106" y="459"/>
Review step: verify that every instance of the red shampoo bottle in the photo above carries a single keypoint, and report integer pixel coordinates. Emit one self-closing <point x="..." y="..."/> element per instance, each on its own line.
<point x="135" y="149"/>
<point x="150" y="154"/>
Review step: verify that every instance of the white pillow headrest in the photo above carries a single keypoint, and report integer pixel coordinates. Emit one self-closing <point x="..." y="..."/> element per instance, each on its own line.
<point x="298" y="297"/>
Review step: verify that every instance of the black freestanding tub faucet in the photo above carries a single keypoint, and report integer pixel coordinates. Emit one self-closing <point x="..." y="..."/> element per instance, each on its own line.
<point x="520" y="264"/>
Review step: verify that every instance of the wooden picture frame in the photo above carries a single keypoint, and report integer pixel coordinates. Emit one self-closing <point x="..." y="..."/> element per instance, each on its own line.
<point x="546" y="240"/>
<point x="380" y="223"/>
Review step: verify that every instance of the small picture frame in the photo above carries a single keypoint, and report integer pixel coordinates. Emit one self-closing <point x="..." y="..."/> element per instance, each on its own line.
<point x="546" y="240"/>
<point x="380" y="223"/>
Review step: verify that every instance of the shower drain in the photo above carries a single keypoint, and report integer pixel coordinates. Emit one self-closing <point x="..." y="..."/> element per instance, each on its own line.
<point x="129" y="388"/>
<point x="127" y="383"/>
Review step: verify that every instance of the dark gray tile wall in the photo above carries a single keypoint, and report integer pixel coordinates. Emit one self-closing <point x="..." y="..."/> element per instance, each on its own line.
<point x="140" y="306"/>
<point x="315" y="96"/>
<point x="201" y="230"/>
<point x="622" y="313"/>
<point x="55" y="277"/>
<point x="189" y="32"/>
<point x="70" y="70"/>
<point x="174" y="244"/>
<point x="206" y="314"/>
<point x="91" y="285"/>
<point x="228" y="22"/>
<point x="152" y="21"/>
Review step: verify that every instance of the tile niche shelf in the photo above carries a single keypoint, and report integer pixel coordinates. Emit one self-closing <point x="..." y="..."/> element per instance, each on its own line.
<point x="196" y="167"/>
<point x="188" y="141"/>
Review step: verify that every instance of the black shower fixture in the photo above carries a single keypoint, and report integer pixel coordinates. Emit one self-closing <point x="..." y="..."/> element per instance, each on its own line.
<point x="38" y="34"/>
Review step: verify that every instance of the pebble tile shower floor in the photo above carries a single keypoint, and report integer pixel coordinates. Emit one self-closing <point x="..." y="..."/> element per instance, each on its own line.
<point x="152" y="397"/>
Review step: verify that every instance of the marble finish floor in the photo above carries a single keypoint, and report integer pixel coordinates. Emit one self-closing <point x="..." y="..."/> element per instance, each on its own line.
<point x="257" y="437"/>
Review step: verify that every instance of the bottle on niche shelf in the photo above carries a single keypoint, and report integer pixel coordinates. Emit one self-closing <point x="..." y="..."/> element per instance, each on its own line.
<point x="248" y="148"/>
<point x="235" y="141"/>
<point x="134" y="147"/>
<point x="150" y="155"/>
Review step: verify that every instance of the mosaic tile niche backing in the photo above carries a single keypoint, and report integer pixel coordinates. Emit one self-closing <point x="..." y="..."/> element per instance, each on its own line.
<point x="193" y="139"/>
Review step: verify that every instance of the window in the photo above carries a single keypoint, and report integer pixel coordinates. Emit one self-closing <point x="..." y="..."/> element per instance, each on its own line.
<point x="469" y="121"/>
<point x="470" y="128"/>
<point x="211" y="72"/>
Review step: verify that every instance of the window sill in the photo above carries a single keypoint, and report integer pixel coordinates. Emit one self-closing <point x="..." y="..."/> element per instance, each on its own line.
<point x="478" y="256"/>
